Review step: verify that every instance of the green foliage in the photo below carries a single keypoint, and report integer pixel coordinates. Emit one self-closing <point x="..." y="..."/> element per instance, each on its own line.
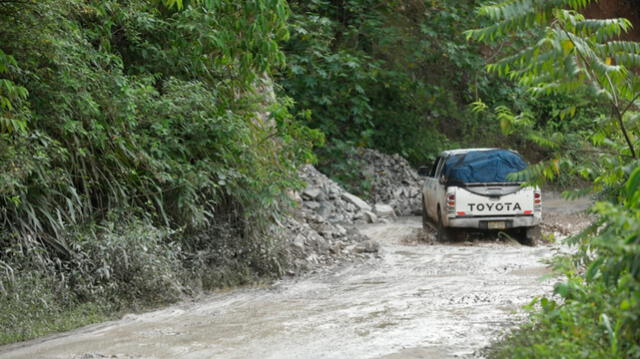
<point x="348" y="171"/>
<point x="243" y="43"/>
<point x="157" y="116"/>
<point x="13" y="112"/>
<point x="38" y="312"/>
<point x="595" y="312"/>
<point x="569" y="53"/>
<point x="173" y="144"/>
<point x="106" y="268"/>
<point x="387" y="75"/>
<point x="557" y="128"/>
<point x="125" y="264"/>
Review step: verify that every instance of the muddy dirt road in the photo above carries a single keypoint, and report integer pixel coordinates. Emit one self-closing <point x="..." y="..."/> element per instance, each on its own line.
<point x="418" y="300"/>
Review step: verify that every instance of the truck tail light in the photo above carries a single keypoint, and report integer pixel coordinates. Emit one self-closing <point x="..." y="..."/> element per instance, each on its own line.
<point x="451" y="203"/>
<point x="537" y="201"/>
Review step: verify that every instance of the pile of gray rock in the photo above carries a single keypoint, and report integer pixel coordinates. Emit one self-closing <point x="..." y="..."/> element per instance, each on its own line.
<point x="322" y="229"/>
<point x="316" y="242"/>
<point x="326" y="198"/>
<point x="394" y="181"/>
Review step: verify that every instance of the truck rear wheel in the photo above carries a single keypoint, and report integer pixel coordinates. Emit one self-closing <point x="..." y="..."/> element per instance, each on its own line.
<point x="444" y="234"/>
<point x="527" y="236"/>
<point x="425" y="216"/>
<point x="533" y="236"/>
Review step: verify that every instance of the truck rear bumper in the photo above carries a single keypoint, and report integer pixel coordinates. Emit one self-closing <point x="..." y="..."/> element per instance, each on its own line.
<point x="492" y="222"/>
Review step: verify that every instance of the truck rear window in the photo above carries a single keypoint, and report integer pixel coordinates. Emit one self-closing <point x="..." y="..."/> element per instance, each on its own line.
<point x="483" y="166"/>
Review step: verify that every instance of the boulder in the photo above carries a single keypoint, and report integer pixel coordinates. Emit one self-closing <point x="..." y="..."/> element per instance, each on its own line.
<point x="340" y="231"/>
<point x="294" y="196"/>
<point x="356" y="201"/>
<point x="311" y="193"/>
<point x="312" y="205"/>
<point x="368" y="246"/>
<point x="297" y="246"/>
<point x="384" y="210"/>
<point x="335" y="204"/>
<point x="313" y="231"/>
<point x="371" y="217"/>
<point x="325" y="209"/>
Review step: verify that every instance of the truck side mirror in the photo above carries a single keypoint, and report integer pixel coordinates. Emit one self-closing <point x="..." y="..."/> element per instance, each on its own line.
<point x="423" y="171"/>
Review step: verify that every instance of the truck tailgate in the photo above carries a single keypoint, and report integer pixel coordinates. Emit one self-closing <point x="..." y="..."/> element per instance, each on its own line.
<point x="494" y="201"/>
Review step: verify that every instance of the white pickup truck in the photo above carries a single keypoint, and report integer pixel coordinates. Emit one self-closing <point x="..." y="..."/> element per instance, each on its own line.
<point x="471" y="188"/>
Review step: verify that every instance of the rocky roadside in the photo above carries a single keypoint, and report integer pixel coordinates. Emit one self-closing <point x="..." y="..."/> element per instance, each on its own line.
<point x="393" y="181"/>
<point x="322" y="227"/>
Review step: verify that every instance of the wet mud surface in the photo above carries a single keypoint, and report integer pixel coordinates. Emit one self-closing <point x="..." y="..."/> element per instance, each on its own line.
<point x="420" y="299"/>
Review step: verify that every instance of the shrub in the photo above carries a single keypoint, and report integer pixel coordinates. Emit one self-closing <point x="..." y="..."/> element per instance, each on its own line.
<point x="595" y="311"/>
<point x="140" y="143"/>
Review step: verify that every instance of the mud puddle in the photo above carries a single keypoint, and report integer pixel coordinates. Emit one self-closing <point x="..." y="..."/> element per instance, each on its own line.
<point x="420" y="300"/>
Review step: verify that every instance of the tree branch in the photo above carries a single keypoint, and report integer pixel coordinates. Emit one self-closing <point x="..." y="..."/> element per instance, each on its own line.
<point x="615" y="103"/>
<point x="630" y="103"/>
<point x="624" y="132"/>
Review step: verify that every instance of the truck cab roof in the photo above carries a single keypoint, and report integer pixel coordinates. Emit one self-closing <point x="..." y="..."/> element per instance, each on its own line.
<point x="460" y="151"/>
<point x="480" y="165"/>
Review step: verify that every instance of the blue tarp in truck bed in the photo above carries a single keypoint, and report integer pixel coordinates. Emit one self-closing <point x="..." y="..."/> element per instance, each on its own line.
<point x="483" y="166"/>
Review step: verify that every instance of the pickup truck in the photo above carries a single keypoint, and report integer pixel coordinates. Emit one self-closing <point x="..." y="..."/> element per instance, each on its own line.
<point x="479" y="188"/>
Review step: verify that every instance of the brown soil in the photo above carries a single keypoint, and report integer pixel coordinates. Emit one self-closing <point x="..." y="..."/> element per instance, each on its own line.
<point x="606" y="9"/>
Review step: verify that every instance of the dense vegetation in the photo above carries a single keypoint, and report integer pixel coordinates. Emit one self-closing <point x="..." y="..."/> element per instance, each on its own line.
<point x="145" y="146"/>
<point x="399" y="76"/>
<point x="390" y="75"/>
<point x="137" y="144"/>
<point x="594" y="313"/>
